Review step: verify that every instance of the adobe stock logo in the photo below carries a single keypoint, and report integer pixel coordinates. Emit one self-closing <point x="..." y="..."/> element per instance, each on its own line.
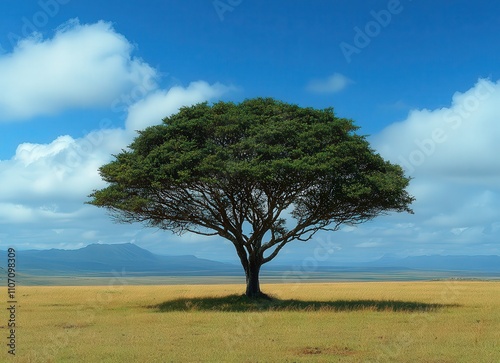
<point x="223" y="6"/>
<point x="372" y="29"/>
<point x="38" y="20"/>
<point x="453" y="119"/>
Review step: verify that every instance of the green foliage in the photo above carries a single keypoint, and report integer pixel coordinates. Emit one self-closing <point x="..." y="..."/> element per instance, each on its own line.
<point x="237" y="171"/>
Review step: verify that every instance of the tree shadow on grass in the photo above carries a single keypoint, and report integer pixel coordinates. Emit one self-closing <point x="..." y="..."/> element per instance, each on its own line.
<point x="241" y="303"/>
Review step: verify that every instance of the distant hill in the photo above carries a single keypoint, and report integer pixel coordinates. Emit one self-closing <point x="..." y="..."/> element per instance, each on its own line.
<point x="106" y="258"/>
<point x="442" y="263"/>
<point x="130" y="260"/>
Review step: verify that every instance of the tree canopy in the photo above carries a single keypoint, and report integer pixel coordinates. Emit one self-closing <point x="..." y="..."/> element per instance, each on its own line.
<point x="260" y="174"/>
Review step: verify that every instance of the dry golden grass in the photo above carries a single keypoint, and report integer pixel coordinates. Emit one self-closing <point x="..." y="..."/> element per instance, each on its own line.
<point x="117" y="324"/>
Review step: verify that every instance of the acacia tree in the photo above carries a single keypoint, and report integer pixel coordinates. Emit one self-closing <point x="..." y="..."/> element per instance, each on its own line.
<point x="261" y="173"/>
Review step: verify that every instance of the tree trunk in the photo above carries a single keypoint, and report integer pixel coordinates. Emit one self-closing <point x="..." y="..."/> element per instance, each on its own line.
<point x="253" y="285"/>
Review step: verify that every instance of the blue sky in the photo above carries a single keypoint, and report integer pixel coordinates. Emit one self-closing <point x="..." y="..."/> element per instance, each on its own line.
<point x="421" y="78"/>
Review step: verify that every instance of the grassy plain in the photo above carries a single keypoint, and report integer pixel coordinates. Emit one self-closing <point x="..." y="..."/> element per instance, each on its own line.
<point x="124" y="323"/>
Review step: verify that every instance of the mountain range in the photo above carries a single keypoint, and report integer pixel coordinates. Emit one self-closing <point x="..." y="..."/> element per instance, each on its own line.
<point x="102" y="259"/>
<point x="106" y="258"/>
<point x="487" y="263"/>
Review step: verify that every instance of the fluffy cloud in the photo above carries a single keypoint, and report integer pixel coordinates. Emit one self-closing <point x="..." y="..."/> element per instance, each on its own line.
<point x="160" y="104"/>
<point x="81" y="66"/>
<point x="457" y="142"/>
<point x="61" y="172"/>
<point x="45" y="185"/>
<point x="333" y="84"/>
<point x="451" y="154"/>
<point x="66" y="169"/>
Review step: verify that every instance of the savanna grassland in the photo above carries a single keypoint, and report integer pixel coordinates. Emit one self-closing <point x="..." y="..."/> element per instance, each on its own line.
<point x="439" y="321"/>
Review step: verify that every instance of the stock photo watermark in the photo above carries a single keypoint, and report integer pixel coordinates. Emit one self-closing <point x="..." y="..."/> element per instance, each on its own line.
<point x="310" y="264"/>
<point x="245" y="327"/>
<point x="86" y="315"/>
<point x="11" y="301"/>
<point x="81" y="149"/>
<point x="364" y="35"/>
<point x="419" y="324"/>
<point x="452" y="121"/>
<point x="223" y="6"/>
<point x="33" y="24"/>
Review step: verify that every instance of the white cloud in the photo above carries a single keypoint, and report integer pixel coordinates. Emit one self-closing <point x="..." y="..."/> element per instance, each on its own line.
<point x="457" y="142"/>
<point x="369" y="244"/>
<point x="78" y="67"/>
<point x="81" y="66"/>
<point x="45" y="185"/>
<point x="28" y="153"/>
<point x="160" y="104"/>
<point x="471" y="208"/>
<point x="333" y="84"/>
<point x="11" y="213"/>
<point x="64" y="170"/>
<point x="451" y="153"/>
